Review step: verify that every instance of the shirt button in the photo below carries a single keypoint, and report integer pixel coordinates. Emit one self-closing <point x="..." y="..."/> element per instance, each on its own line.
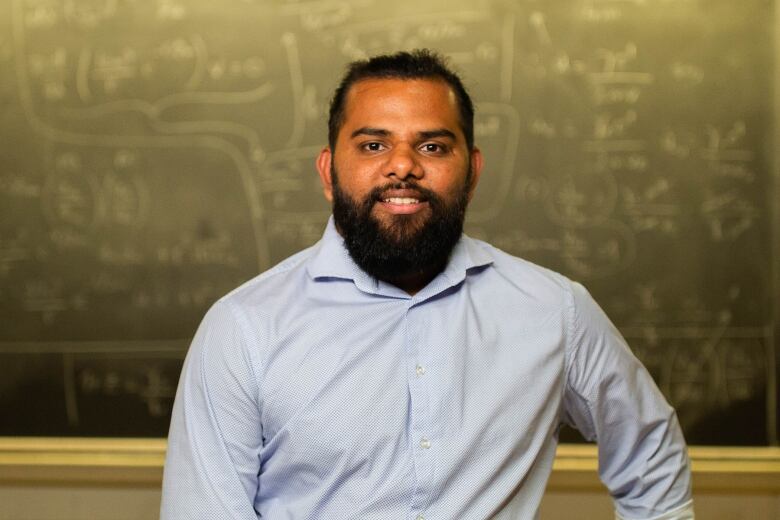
<point x="425" y="443"/>
<point x="420" y="370"/>
<point x="420" y="517"/>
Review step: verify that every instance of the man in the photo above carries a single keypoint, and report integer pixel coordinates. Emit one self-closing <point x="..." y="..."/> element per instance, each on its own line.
<point x="399" y="369"/>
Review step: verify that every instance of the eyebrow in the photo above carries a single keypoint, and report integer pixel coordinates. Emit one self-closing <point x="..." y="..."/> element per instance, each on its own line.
<point x="367" y="130"/>
<point x="439" y="132"/>
<point x="425" y="134"/>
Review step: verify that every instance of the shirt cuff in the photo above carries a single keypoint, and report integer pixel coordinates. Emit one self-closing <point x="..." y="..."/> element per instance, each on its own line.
<point x="684" y="512"/>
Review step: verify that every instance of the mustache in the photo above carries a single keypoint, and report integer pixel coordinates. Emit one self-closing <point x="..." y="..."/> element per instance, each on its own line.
<point x="377" y="194"/>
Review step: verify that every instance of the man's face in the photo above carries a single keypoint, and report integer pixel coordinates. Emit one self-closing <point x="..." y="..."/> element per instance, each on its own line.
<point x="400" y="176"/>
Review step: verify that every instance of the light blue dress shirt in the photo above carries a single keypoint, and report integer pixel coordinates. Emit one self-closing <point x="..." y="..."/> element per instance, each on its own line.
<point x="315" y="391"/>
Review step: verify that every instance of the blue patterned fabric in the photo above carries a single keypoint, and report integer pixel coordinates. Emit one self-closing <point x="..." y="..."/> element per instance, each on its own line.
<point x="315" y="391"/>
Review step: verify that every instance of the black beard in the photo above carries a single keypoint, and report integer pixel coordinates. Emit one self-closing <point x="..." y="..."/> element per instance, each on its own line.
<point x="406" y="247"/>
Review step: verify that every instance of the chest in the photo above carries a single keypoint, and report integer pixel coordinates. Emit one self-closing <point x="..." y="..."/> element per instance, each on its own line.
<point x="377" y="372"/>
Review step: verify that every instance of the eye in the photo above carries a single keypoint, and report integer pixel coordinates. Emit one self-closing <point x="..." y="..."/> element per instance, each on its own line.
<point x="372" y="146"/>
<point x="434" y="148"/>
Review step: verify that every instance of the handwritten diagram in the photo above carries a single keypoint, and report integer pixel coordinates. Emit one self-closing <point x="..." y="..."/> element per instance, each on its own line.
<point x="157" y="154"/>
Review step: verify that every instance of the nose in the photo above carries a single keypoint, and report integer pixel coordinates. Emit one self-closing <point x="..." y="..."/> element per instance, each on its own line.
<point x="403" y="163"/>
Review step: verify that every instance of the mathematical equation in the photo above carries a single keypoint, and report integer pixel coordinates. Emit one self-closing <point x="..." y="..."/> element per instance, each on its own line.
<point x="160" y="153"/>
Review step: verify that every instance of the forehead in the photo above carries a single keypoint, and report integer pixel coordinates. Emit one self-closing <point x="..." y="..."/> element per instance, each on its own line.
<point x="411" y="101"/>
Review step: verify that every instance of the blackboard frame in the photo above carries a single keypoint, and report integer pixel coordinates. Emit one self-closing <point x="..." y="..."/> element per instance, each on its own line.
<point x="59" y="461"/>
<point x="774" y="194"/>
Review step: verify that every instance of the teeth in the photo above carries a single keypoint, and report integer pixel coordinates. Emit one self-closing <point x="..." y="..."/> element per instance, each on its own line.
<point x="402" y="200"/>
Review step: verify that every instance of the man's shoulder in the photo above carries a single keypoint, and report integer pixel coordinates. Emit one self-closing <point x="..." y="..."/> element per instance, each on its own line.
<point x="272" y="283"/>
<point x="521" y="273"/>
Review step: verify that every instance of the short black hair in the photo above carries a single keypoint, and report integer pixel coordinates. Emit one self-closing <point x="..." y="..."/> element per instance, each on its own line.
<point x="417" y="64"/>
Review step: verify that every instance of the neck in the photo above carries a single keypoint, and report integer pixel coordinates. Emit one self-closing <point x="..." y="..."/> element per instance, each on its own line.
<point x="414" y="282"/>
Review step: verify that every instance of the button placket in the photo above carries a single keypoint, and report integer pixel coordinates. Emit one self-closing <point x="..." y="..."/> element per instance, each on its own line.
<point x="420" y="426"/>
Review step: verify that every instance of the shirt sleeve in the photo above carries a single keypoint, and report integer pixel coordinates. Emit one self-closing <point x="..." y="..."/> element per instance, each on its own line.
<point x="612" y="399"/>
<point x="213" y="458"/>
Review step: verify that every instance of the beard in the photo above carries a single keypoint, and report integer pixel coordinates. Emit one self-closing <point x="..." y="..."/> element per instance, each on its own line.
<point x="406" y="245"/>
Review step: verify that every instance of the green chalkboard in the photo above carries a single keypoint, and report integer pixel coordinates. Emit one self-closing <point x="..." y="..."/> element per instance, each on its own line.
<point x="154" y="155"/>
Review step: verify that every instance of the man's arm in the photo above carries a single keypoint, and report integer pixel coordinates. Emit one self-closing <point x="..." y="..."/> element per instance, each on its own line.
<point x="213" y="458"/>
<point x="612" y="399"/>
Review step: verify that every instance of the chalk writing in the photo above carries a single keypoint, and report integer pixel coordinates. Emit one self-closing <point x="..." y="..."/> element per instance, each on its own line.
<point x="156" y="154"/>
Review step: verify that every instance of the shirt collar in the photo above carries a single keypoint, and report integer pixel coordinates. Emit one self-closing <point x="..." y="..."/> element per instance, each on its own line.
<point x="332" y="260"/>
<point x="466" y="255"/>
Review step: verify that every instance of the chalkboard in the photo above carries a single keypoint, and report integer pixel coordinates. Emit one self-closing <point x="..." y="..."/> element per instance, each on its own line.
<point x="154" y="155"/>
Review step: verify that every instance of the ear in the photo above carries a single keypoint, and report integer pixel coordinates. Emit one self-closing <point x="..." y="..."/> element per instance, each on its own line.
<point x="324" y="169"/>
<point x="476" y="170"/>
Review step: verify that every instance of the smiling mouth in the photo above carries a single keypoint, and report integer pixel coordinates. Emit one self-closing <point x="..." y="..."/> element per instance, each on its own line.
<point x="401" y="200"/>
